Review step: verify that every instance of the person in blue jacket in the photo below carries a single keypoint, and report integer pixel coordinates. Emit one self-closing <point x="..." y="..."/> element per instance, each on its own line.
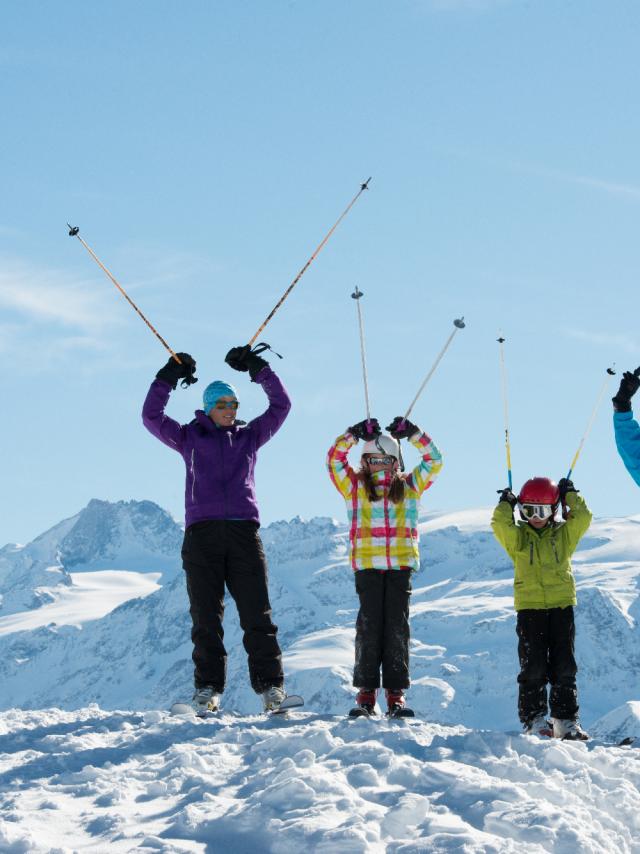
<point x="627" y="430"/>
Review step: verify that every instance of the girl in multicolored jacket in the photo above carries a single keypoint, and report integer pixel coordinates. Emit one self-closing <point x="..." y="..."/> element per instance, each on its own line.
<point x="382" y="506"/>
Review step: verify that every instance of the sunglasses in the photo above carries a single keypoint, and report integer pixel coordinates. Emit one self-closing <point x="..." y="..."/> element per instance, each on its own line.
<point x="542" y="511"/>
<point x="380" y="461"/>
<point x="227" y="404"/>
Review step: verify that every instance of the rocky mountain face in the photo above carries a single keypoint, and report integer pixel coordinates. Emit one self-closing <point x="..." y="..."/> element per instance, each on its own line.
<point x="133" y="535"/>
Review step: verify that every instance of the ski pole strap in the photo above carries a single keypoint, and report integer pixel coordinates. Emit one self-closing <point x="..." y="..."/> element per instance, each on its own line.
<point x="316" y="252"/>
<point x="260" y="348"/>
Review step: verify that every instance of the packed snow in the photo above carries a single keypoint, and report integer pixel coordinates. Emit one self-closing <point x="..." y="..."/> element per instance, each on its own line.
<point x="90" y="760"/>
<point x="121" y="781"/>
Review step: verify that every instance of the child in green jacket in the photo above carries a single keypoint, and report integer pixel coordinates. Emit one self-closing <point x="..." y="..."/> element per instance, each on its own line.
<point x="545" y="593"/>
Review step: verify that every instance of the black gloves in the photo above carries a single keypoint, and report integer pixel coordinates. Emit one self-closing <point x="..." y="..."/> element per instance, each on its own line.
<point x="564" y="486"/>
<point x="629" y="385"/>
<point x="173" y="371"/>
<point x="402" y="428"/>
<point x="367" y="429"/>
<point x="244" y="359"/>
<point x="508" y="496"/>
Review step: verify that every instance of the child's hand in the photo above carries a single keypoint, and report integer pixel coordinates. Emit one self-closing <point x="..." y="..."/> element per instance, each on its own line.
<point x="367" y="429"/>
<point x="402" y="428"/>
<point x="508" y="496"/>
<point x="565" y="486"/>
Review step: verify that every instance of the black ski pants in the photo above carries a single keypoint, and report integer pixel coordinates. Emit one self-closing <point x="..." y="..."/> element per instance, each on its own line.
<point x="546" y="644"/>
<point x="223" y="552"/>
<point x="382" y="628"/>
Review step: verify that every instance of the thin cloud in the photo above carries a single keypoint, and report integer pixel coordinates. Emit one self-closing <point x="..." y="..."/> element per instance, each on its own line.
<point x="614" y="343"/>
<point x="43" y="295"/>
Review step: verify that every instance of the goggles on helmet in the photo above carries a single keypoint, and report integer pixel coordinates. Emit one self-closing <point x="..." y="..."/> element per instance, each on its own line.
<point x="542" y="511"/>
<point x="380" y="461"/>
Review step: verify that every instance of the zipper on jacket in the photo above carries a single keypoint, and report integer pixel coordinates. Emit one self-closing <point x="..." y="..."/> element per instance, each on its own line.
<point x="530" y="554"/>
<point x="555" y="551"/>
<point x="193" y="477"/>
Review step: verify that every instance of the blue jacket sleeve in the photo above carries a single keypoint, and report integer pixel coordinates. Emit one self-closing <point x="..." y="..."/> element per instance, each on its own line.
<point x="627" y="432"/>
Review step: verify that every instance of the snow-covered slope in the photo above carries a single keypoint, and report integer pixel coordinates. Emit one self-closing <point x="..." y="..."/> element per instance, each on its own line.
<point x="100" y="781"/>
<point x="133" y="536"/>
<point x="464" y="660"/>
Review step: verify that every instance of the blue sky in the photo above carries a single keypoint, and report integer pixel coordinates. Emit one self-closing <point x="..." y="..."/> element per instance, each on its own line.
<point x="205" y="148"/>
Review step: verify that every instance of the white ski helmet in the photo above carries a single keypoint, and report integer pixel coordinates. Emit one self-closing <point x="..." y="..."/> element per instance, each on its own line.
<point x="382" y="444"/>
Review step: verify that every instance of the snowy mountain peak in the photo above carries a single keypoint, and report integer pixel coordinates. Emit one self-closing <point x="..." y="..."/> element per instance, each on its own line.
<point x="103" y="531"/>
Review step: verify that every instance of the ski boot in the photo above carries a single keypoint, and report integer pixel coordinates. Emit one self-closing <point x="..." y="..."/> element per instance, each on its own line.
<point x="205" y="699"/>
<point x="396" y="707"/>
<point x="539" y="726"/>
<point x="365" y="703"/>
<point x="273" y="697"/>
<point x="569" y="730"/>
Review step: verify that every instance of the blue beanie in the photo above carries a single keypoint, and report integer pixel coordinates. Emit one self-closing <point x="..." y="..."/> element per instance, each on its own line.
<point x="214" y="391"/>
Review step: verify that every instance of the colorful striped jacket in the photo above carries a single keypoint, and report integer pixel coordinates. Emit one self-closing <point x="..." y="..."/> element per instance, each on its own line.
<point x="383" y="535"/>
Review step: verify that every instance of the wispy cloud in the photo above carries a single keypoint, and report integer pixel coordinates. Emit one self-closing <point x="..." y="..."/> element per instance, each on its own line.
<point x="621" y="189"/>
<point x="614" y="343"/>
<point x="615" y="188"/>
<point x="43" y="295"/>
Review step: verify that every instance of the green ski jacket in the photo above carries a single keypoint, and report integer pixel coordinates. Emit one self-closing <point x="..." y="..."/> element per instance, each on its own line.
<point x="542" y="559"/>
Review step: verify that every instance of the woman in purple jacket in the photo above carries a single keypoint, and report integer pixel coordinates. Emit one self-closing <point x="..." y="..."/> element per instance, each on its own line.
<point x="221" y="542"/>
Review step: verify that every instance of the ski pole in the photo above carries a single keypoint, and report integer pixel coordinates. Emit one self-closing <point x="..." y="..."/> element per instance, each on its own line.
<point x="458" y="324"/>
<point x="356" y="295"/>
<point x="610" y="373"/>
<point x="501" y="341"/>
<point x="74" y="231"/>
<point x="363" y="187"/>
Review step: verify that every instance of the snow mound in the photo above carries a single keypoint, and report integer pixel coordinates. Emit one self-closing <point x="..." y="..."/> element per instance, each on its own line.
<point x="122" y="781"/>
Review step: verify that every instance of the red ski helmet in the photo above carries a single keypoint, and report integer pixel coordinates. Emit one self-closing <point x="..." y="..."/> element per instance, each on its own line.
<point x="539" y="490"/>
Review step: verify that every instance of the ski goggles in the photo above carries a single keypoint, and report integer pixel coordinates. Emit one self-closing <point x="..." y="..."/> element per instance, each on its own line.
<point x="226" y="404"/>
<point x="541" y="511"/>
<point x="380" y="460"/>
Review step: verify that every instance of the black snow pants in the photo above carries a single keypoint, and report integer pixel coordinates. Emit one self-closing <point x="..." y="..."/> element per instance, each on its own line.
<point x="219" y="552"/>
<point x="382" y="628"/>
<point x="546" y="640"/>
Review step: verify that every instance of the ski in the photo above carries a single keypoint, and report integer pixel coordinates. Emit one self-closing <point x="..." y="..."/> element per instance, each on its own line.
<point x="182" y="710"/>
<point x="291" y="701"/>
<point x="401" y="712"/>
<point x="360" y="712"/>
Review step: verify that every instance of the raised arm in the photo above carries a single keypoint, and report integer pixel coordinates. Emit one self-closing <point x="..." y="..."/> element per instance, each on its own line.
<point x="423" y="475"/>
<point x="627" y="433"/>
<point x="153" y="417"/>
<point x="267" y="425"/>
<point x="626" y="428"/>
<point x="155" y="420"/>
<point x="503" y="524"/>
<point x="578" y="519"/>
<point x="341" y="473"/>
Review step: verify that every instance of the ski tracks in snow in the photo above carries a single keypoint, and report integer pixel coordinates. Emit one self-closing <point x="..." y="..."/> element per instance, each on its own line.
<point x="99" y="781"/>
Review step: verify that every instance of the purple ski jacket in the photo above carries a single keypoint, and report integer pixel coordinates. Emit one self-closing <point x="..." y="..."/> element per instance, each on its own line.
<point x="220" y="461"/>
